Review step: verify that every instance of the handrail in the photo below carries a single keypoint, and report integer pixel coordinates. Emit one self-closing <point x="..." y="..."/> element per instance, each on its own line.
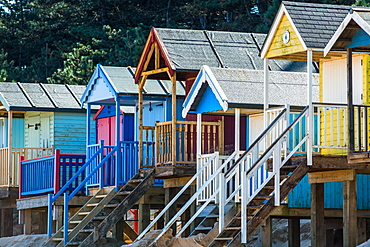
<point x="258" y="139"/>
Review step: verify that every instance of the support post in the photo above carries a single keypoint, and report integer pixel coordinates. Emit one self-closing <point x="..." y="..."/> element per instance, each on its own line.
<point x="351" y="133"/>
<point x="118" y="164"/>
<point x="10" y="147"/>
<point x="310" y="108"/>
<point x="294" y="233"/>
<point x="174" y="138"/>
<point x="144" y="216"/>
<point x="266" y="76"/>
<point x="169" y="194"/>
<point x="317" y="215"/>
<point x="349" y="213"/>
<point x="237" y="129"/>
<point x="88" y="126"/>
<point x="6" y="222"/>
<point x="56" y="171"/>
<point x="266" y="232"/>
<point x="140" y="130"/>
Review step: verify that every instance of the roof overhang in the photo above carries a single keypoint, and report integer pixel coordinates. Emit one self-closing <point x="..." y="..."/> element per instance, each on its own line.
<point x="348" y="30"/>
<point x="205" y="76"/>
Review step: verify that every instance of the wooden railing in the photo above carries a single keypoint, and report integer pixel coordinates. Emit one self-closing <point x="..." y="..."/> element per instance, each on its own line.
<point x="9" y="168"/>
<point x="186" y="136"/>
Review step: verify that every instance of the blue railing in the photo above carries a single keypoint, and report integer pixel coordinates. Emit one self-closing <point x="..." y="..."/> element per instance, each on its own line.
<point x="49" y="173"/>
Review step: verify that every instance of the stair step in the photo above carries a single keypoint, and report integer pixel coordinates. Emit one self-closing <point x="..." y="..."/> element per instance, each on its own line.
<point x="232" y="228"/>
<point x="73" y="243"/>
<point x="269" y="187"/>
<point x="289" y="167"/>
<point x="138" y="180"/>
<point x="92" y="204"/>
<point x="75" y="222"/>
<point x="111" y="205"/>
<point x="253" y="207"/>
<point x="86" y="230"/>
<point x="261" y="197"/>
<point x="212" y="216"/>
<point x="99" y="217"/>
<point x="83" y="213"/>
<point x="124" y="193"/>
<point x="57" y="239"/>
<point x="100" y="196"/>
<point x="203" y="228"/>
<point x="223" y="239"/>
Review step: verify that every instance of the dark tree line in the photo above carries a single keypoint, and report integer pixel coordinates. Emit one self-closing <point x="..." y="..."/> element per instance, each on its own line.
<point x="61" y="41"/>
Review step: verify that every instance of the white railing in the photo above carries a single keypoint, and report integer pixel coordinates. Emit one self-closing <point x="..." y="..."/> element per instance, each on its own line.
<point x="252" y="182"/>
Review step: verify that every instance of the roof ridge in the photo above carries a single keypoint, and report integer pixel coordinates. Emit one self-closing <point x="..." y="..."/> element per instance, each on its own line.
<point x="214" y="49"/>
<point x="26" y="94"/>
<point x="49" y="96"/>
<point x="318" y="5"/>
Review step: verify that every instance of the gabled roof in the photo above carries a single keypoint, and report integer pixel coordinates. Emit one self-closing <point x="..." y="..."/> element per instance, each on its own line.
<point x="188" y="50"/>
<point x="353" y="33"/>
<point x="108" y="82"/>
<point x="314" y="23"/>
<point x="40" y="97"/>
<point x="233" y="88"/>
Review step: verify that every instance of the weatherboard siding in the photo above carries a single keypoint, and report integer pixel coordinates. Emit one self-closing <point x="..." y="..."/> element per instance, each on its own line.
<point x="70" y="132"/>
<point x="300" y="197"/>
<point x="278" y="47"/>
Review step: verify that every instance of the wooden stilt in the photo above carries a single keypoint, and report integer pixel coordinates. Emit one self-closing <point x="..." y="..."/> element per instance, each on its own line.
<point x="26" y="220"/>
<point x="6" y="222"/>
<point x="361" y="235"/>
<point x="169" y="194"/>
<point x="294" y="232"/>
<point x="118" y="230"/>
<point x="317" y="215"/>
<point x="266" y="233"/>
<point x="58" y="217"/>
<point x="349" y="213"/>
<point x="43" y="217"/>
<point x="144" y="216"/>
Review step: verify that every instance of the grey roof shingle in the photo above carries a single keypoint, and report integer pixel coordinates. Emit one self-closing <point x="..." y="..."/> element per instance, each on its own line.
<point x="316" y="23"/>
<point x="284" y="87"/>
<point x="189" y="50"/>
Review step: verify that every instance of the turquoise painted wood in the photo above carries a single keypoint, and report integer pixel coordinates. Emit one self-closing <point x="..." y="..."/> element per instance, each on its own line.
<point x="300" y="197"/>
<point x="70" y="132"/>
<point x="18" y="132"/>
<point x="361" y="38"/>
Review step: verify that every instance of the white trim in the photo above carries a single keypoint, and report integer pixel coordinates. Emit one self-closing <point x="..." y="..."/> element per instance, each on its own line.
<point x="106" y="74"/>
<point x="205" y="75"/>
<point x="355" y="17"/>
<point x="274" y="28"/>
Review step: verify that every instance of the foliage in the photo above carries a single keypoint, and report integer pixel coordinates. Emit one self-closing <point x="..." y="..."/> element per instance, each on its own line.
<point x="61" y="41"/>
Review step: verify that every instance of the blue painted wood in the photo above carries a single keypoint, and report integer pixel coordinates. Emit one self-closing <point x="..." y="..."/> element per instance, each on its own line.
<point x="70" y="132"/>
<point x="360" y="38"/>
<point x="208" y="102"/>
<point x="300" y="197"/>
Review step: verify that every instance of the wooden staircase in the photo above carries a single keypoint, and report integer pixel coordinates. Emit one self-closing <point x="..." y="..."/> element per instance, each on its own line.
<point x="103" y="211"/>
<point x="259" y="209"/>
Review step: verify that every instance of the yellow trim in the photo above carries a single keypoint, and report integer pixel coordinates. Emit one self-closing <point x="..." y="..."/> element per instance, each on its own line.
<point x="278" y="47"/>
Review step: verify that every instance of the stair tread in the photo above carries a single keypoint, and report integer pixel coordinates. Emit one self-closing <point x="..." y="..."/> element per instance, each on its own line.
<point x="74" y="221"/>
<point x="223" y="239"/>
<point x="137" y="180"/>
<point x="124" y="193"/>
<point x="92" y="204"/>
<point x="57" y="239"/>
<point x="111" y="205"/>
<point x="232" y="228"/>
<point x="212" y="216"/>
<point x="83" y="213"/>
<point x="199" y="228"/>
<point x="100" y="196"/>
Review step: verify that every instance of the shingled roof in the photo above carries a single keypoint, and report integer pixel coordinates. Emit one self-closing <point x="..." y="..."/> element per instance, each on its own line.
<point x="284" y="88"/>
<point x="316" y="23"/>
<point x="189" y="50"/>
<point x="119" y="81"/>
<point x="40" y="97"/>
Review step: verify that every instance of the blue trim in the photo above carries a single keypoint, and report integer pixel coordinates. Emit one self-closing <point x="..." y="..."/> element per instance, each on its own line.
<point x="360" y="38"/>
<point x="208" y="102"/>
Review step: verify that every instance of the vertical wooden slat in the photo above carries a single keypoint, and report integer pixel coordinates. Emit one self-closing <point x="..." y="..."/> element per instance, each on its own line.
<point x="209" y="139"/>
<point x="202" y="143"/>
<point x="10" y="145"/>
<point x="186" y="128"/>
<point x="157" y="142"/>
<point x="222" y="145"/>
<point x="359" y="131"/>
<point x="192" y="143"/>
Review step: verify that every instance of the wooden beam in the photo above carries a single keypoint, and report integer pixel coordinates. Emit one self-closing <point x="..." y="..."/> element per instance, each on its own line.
<point x="155" y="71"/>
<point x="140" y="122"/>
<point x="331" y="176"/>
<point x="148" y="58"/>
<point x="176" y="182"/>
<point x="157" y="57"/>
<point x="129" y="231"/>
<point x="349" y="213"/>
<point x="317" y="215"/>
<point x="174" y="106"/>
<point x="169" y="194"/>
<point x="6" y="222"/>
<point x="144" y="216"/>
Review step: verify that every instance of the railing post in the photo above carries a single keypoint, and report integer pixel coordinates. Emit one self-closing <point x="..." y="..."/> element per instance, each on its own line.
<point x="101" y="177"/>
<point x="276" y="169"/>
<point x="309" y="142"/>
<point x="65" y="213"/>
<point x="57" y="171"/>
<point x="222" y="202"/>
<point x="50" y="215"/>
<point x="287" y="123"/>
<point x="244" y="216"/>
<point x="20" y="177"/>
